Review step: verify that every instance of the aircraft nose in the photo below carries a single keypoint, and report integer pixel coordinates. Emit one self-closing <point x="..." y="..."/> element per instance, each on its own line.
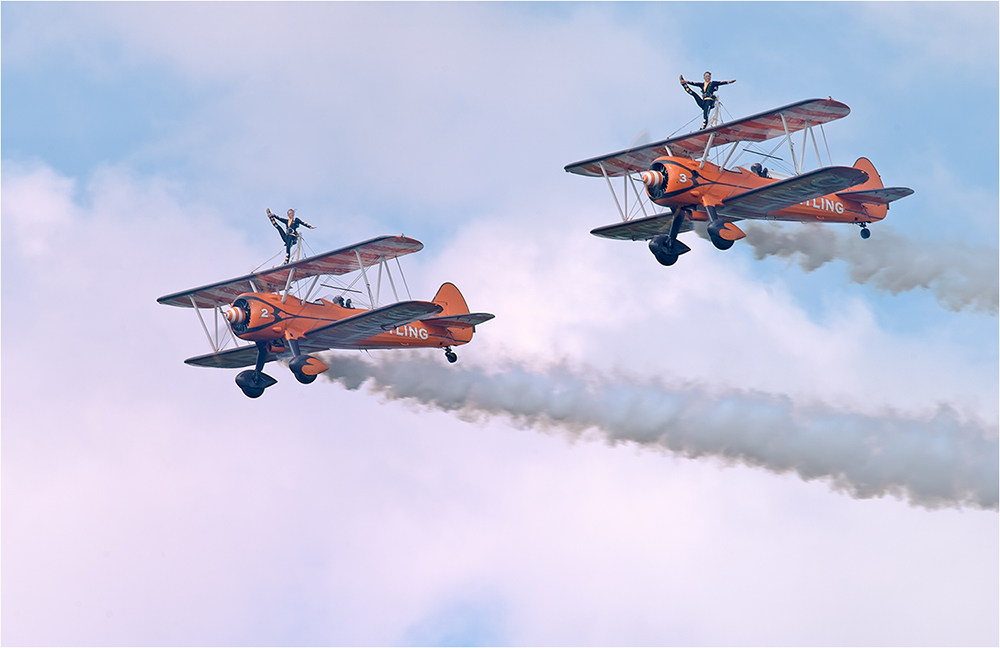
<point x="652" y="178"/>
<point x="234" y="315"/>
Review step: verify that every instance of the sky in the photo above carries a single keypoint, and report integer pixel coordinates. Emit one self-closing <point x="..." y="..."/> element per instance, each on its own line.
<point x="792" y="442"/>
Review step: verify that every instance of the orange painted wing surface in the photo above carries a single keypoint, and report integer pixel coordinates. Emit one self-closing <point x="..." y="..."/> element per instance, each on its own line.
<point x="350" y="330"/>
<point x="882" y="196"/>
<point x="759" y="202"/>
<point x="756" y="128"/>
<point x="465" y="320"/>
<point x="640" y="229"/>
<point x="336" y="262"/>
<point x="245" y="356"/>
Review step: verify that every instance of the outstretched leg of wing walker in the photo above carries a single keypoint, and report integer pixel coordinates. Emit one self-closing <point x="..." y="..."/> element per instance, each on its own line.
<point x="254" y="381"/>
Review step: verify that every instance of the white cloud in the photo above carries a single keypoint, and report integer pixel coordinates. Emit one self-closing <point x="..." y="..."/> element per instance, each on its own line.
<point x="139" y="487"/>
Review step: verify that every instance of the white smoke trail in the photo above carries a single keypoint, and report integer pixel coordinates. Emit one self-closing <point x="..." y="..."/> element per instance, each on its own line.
<point x="933" y="462"/>
<point x="959" y="275"/>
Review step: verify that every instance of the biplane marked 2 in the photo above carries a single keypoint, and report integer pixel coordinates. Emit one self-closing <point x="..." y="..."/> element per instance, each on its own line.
<point x="677" y="174"/>
<point x="260" y="308"/>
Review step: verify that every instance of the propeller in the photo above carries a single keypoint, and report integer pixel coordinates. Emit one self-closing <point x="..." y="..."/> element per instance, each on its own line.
<point x="641" y="139"/>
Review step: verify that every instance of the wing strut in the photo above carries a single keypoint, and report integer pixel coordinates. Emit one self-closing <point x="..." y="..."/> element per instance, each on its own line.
<point x="404" y="279"/>
<point x="201" y="319"/>
<point x="812" y="134"/>
<point x="791" y="147"/>
<point x="736" y="145"/>
<point x="311" y="287"/>
<point x="638" y="198"/>
<point x="367" y="285"/>
<point x="708" y="147"/>
<point x="392" y="284"/>
<point x="829" y="158"/>
<point x="388" y="273"/>
<point x="805" y="142"/>
<point x="288" y="284"/>
<point x="613" y="194"/>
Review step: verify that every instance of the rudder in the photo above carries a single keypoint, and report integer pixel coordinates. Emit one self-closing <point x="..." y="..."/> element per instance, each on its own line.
<point x="874" y="179"/>
<point x="876" y="212"/>
<point x="450" y="298"/>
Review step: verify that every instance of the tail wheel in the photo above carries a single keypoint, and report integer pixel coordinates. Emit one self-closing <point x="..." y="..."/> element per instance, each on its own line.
<point x="866" y="233"/>
<point x="450" y="355"/>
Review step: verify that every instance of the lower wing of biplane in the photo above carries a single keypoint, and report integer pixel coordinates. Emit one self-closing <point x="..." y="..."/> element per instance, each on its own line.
<point x="275" y="312"/>
<point x="676" y="173"/>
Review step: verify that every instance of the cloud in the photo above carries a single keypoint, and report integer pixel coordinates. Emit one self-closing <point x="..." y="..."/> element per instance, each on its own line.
<point x="135" y="485"/>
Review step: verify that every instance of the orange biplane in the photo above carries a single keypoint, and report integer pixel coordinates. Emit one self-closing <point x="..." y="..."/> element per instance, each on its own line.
<point x="269" y="309"/>
<point x="677" y="174"/>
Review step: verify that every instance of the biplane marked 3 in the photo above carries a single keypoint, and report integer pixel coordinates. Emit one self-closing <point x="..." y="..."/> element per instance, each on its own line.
<point x="676" y="173"/>
<point x="260" y="308"/>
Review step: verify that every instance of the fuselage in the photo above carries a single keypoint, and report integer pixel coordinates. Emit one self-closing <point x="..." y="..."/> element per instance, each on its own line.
<point x="262" y="317"/>
<point x="692" y="184"/>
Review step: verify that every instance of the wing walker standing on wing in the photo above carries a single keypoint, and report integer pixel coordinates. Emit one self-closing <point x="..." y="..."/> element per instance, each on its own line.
<point x="290" y="235"/>
<point x="707" y="100"/>
<point x="676" y="174"/>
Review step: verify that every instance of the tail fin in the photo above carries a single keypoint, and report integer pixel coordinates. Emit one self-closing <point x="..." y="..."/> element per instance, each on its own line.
<point x="874" y="179"/>
<point x="875" y="212"/>
<point x="455" y="317"/>
<point x="450" y="299"/>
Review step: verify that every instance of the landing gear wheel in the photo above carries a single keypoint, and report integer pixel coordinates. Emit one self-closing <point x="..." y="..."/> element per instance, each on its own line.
<point x="666" y="259"/>
<point x="721" y="243"/>
<point x="715" y="228"/>
<point x="450" y="355"/>
<point x="303" y="378"/>
<point x="865" y="233"/>
<point x="253" y="382"/>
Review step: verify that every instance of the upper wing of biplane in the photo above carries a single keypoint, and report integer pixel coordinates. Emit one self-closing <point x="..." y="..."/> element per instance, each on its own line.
<point x="756" y="128"/>
<point x="785" y="193"/>
<point x="363" y="326"/>
<point x="640" y="229"/>
<point x="336" y="262"/>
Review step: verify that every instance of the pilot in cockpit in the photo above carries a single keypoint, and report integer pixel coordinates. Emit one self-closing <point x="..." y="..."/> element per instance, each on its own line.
<point x="760" y="170"/>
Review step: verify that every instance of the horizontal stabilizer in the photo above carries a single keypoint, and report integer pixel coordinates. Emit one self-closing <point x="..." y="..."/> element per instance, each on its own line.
<point x="640" y="229"/>
<point x="882" y="196"/>
<point x="245" y="356"/>
<point x="465" y="320"/>
<point x="761" y="201"/>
